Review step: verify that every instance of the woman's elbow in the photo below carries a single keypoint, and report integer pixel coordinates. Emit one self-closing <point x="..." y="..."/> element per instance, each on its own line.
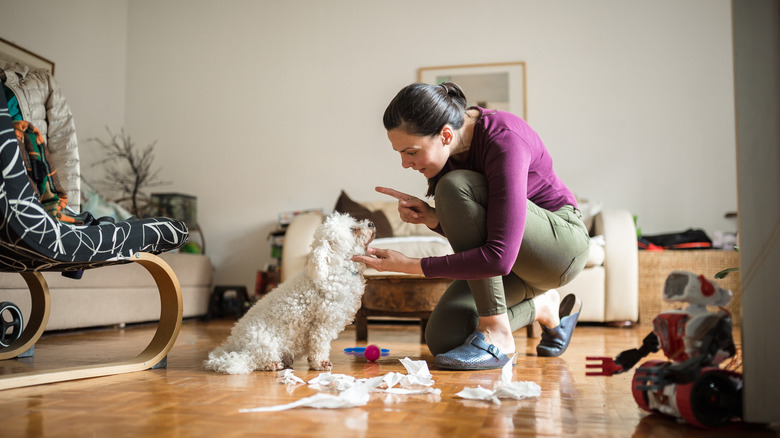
<point x="502" y="268"/>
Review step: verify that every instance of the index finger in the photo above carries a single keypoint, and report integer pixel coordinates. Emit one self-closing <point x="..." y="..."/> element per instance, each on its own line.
<point x="394" y="193"/>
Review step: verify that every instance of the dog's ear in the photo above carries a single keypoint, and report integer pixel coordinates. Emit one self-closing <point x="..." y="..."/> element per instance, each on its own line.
<point x="319" y="263"/>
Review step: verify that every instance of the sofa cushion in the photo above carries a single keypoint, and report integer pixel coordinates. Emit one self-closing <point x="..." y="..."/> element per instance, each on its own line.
<point x="346" y="205"/>
<point x="589" y="210"/>
<point x="400" y="228"/>
<point x="411" y="246"/>
<point x="416" y="246"/>
<point x="589" y="287"/>
<point x="597" y="254"/>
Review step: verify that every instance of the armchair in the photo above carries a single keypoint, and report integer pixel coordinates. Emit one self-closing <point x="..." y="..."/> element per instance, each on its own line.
<point x="32" y="241"/>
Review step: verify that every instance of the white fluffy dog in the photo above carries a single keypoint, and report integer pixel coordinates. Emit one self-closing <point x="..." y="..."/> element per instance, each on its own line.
<point x="305" y="313"/>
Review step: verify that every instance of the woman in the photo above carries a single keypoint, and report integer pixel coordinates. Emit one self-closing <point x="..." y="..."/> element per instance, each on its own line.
<point x="512" y="223"/>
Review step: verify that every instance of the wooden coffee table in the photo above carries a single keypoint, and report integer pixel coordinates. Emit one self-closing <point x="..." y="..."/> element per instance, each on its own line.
<point x="406" y="296"/>
<point x="399" y="295"/>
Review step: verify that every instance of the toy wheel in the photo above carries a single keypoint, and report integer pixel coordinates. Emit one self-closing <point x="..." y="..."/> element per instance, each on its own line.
<point x="712" y="400"/>
<point x="10" y="323"/>
<point x="640" y="396"/>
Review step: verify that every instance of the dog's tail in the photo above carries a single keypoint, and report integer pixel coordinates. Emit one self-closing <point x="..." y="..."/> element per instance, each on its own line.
<point x="230" y="362"/>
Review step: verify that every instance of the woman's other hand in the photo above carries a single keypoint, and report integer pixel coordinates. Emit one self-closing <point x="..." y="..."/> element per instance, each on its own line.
<point x="389" y="260"/>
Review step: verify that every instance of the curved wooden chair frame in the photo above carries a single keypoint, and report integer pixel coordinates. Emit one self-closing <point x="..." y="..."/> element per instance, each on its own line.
<point x="171" y="310"/>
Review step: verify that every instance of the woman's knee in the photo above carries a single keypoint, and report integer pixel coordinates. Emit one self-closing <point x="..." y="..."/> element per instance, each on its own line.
<point x="461" y="201"/>
<point x="460" y="185"/>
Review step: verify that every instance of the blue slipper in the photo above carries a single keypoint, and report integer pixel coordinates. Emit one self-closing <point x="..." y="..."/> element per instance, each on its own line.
<point x="474" y="354"/>
<point x="556" y="340"/>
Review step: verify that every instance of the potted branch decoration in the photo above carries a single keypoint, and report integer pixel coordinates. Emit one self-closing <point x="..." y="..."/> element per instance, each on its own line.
<point x="128" y="170"/>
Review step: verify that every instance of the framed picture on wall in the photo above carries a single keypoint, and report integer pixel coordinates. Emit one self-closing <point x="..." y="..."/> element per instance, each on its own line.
<point x="10" y="52"/>
<point x="498" y="86"/>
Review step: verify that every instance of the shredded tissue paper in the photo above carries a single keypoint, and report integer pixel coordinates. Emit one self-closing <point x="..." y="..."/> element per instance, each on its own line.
<point x="352" y="392"/>
<point x="505" y="388"/>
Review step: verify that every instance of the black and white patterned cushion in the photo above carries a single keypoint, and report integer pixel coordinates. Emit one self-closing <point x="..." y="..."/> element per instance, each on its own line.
<point x="33" y="240"/>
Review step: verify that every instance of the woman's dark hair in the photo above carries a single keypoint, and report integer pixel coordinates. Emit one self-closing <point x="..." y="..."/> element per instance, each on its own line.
<point x="424" y="109"/>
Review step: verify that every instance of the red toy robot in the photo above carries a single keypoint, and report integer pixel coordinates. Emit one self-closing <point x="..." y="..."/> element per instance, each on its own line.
<point x="690" y="386"/>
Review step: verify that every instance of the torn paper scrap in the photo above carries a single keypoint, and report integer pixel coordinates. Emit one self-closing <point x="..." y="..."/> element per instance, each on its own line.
<point x="287" y="376"/>
<point x="374" y="382"/>
<point x="518" y="390"/>
<point x="478" y="393"/>
<point x="416" y="367"/>
<point x="356" y="392"/>
<point x="407" y="381"/>
<point x="513" y="390"/>
<point x="404" y="391"/>
<point x="506" y="371"/>
<point x="391" y="379"/>
<point x="505" y="388"/>
<point x="356" y="396"/>
<point x="339" y="382"/>
<point x="412" y="380"/>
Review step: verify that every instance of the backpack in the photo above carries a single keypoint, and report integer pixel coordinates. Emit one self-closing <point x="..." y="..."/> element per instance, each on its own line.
<point x="688" y="239"/>
<point x="43" y="177"/>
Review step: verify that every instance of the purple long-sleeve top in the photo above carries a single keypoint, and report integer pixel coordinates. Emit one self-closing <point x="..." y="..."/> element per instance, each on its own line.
<point x="518" y="168"/>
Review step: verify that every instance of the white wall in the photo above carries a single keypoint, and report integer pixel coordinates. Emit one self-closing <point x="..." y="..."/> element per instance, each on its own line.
<point x="264" y="107"/>
<point x="86" y="39"/>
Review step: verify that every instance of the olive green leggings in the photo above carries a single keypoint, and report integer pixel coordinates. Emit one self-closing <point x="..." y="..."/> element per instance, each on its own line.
<point x="554" y="250"/>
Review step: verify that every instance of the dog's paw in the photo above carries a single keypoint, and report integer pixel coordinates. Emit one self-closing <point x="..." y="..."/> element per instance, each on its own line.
<point x="322" y="365"/>
<point x="273" y="366"/>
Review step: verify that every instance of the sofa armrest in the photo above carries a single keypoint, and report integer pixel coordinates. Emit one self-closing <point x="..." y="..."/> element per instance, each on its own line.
<point x="297" y="243"/>
<point x="621" y="265"/>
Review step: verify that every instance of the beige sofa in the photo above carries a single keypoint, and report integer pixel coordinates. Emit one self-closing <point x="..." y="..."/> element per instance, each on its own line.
<point x="114" y="295"/>
<point x="608" y="286"/>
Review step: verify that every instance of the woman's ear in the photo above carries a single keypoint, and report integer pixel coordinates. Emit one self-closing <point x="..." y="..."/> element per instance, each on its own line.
<point x="447" y="135"/>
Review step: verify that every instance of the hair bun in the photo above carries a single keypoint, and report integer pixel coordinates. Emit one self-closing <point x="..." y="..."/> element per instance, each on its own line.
<point x="448" y="87"/>
<point x="454" y="92"/>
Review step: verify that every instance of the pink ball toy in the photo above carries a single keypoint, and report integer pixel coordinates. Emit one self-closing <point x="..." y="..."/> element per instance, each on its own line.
<point x="372" y="353"/>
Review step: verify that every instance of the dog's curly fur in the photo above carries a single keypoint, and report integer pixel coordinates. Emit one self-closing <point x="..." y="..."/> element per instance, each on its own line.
<point x="305" y="313"/>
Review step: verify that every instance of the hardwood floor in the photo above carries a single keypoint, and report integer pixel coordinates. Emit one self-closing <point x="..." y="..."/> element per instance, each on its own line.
<point x="185" y="401"/>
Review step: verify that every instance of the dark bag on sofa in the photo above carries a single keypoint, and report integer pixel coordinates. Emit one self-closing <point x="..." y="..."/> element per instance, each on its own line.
<point x="689" y="239"/>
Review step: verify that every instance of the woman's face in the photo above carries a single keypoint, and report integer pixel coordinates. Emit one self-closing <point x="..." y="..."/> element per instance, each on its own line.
<point x="427" y="155"/>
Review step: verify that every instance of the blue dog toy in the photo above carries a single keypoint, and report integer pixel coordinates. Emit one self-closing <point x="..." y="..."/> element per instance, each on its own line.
<point x="361" y="351"/>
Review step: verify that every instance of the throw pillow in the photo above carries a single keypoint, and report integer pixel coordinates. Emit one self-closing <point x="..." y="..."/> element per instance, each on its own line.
<point x="359" y="212"/>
